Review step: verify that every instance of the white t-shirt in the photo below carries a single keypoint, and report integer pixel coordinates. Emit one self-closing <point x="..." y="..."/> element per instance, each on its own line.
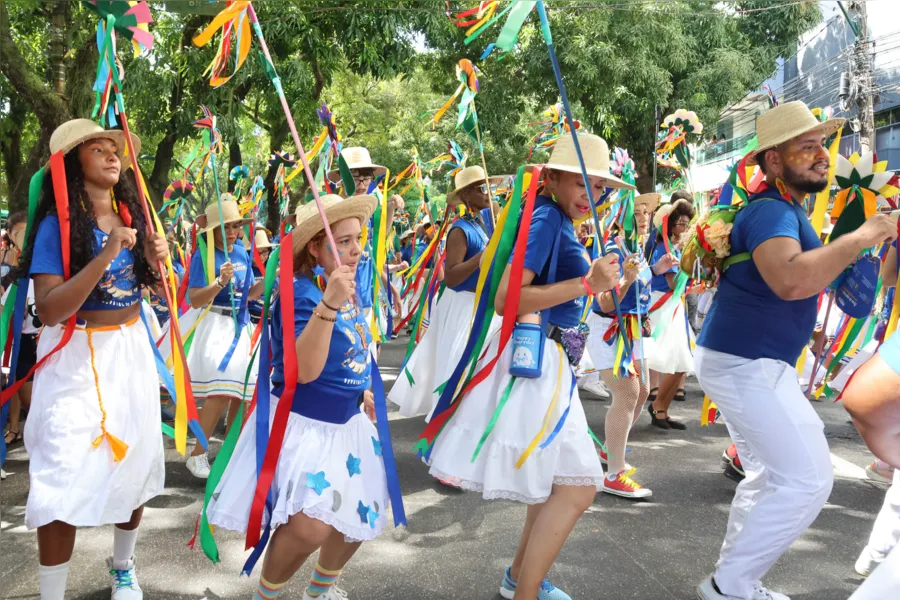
<point x="31" y="324"/>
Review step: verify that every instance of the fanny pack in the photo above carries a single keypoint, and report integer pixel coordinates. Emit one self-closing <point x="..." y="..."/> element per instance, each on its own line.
<point x="572" y="340"/>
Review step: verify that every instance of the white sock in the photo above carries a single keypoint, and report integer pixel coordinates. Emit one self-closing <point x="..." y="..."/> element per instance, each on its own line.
<point x="53" y="581"/>
<point x="123" y="546"/>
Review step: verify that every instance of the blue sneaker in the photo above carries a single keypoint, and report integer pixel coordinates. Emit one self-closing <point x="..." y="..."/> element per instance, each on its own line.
<point x="548" y="590"/>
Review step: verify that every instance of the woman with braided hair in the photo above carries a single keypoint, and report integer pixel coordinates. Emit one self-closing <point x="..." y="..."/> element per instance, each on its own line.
<point x="93" y="439"/>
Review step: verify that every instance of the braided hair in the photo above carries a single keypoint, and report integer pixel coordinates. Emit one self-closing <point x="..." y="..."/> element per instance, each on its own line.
<point x="84" y="245"/>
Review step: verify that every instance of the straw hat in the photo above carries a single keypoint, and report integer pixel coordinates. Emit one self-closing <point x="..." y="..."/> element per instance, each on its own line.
<point x="406" y="234"/>
<point x="469" y="176"/>
<point x="307" y="222"/>
<point x="651" y="199"/>
<point x="261" y="238"/>
<point x="787" y="121"/>
<point x="210" y="220"/>
<point x="596" y="157"/>
<point x="357" y="157"/>
<point x="77" y="131"/>
<point x="666" y="210"/>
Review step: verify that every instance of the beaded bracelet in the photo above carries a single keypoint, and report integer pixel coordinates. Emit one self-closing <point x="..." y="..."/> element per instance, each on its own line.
<point x="324" y="318"/>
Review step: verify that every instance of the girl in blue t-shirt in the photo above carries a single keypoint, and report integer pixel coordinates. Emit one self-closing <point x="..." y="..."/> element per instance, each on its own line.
<point x="329" y="491"/>
<point x="672" y="357"/>
<point x="436" y="355"/>
<point x="537" y="449"/>
<point x="219" y="354"/>
<point x="92" y="434"/>
<point x="628" y="393"/>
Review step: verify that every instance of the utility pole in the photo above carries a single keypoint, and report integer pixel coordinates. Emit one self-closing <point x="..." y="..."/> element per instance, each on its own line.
<point x="862" y="67"/>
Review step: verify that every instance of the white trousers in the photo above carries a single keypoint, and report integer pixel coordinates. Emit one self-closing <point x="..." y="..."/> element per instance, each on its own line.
<point x="782" y="446"/>
<point x="886" y="531"/>
<point x="884" y="582"/>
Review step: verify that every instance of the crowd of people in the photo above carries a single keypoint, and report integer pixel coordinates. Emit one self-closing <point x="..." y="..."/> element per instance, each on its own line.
<point x="573" y="309"/>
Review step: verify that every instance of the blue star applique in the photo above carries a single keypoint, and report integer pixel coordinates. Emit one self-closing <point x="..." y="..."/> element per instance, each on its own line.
<point x="376" y="445"/>
<point x="318" y="270"/>
<point x="317" y="482"/>
<point x="363" y="511"/>
<point x="373" y="518"/>
<point x="353" y="465"/>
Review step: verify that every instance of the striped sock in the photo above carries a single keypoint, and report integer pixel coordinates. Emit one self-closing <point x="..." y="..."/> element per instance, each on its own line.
<point x="268" y="591"/>
<point x="322" y="581"/>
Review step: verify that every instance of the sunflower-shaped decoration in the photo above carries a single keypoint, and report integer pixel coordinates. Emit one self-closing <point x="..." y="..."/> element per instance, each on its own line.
<point x="864" y="183"/>
<point x="672" y="150"/>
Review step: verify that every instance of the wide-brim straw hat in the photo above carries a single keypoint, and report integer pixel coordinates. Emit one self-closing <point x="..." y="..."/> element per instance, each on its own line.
<point x="787" y="121"/>
<point x="307" y="221"/>
<point x="469" y="176"/>
<point x="357" y="157"/>
<point x="261" y="238"/>
<point x="651" y="199"/>
<point x="666" y="210"/>
<point x="595" y="151"/>
<point x="406" y="234"/>
<point x="70" y="134"/>
<point x="230" y="214"/>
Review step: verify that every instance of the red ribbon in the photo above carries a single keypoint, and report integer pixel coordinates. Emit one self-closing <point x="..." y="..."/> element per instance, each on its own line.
<point x="510" y="313"/>
<point x="282" y="412"/>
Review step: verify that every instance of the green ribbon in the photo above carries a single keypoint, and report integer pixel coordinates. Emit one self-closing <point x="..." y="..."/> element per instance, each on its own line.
<point x="494" y="417"/>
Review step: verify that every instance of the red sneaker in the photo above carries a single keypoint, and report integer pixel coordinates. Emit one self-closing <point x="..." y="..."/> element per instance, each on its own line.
<point x="623" y="485"/>
<point x="604" y="457"/>
<point x="731" y="459"/>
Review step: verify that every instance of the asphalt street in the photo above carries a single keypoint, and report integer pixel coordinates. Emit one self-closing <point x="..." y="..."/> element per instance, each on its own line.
<point x="458" y="545"/>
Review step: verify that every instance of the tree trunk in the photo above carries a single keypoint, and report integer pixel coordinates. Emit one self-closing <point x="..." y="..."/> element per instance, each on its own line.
<point x="58" y="15"/>
<point x="278" y="136"/>
<point x="165" y="150"/>
<point x="234" y="160"/>
<point x="48" y="105"/>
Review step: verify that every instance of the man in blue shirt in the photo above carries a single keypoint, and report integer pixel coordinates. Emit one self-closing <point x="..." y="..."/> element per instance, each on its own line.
<point x="762" y="317"/>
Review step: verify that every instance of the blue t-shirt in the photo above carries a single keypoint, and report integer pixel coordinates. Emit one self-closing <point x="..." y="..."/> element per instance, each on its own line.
<point x="476" y="241"/>
<point x="406" y="253"/>
<point x="659" y="282"/>
<point x="158" y="303"/>
<point x="332" y="397"/>
<point x="549" y="224"/>
<point x="641" y="286"/>
<point x="890" y="352"/>
<point x="118" y="287"/>
<point x="242" y="270"/>
<point x="255" y="307"/>
<point x="364" y="283"/>
<point x="747" y="319"/>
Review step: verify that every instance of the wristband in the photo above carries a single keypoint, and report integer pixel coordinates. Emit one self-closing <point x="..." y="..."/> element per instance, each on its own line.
<point x="587" y="286"/>
<point x="326" y="305"/>
<point x="219" y="284"/>
<point x="324" y="318"/>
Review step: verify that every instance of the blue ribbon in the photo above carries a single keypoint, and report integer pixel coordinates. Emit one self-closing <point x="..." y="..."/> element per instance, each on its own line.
<point x="18" y="317"/>
<point x="169" y="383"/>
<point x="243" y="316"/>
<point x="562" y="419"/>
<point x="387" y="448"/>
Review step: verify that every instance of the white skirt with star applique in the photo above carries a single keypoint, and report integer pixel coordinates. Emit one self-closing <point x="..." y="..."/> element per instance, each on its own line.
<point x="331" y="472"/>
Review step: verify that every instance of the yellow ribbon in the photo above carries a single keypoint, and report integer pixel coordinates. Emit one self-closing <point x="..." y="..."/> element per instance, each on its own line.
<point x="547" y="416"/>
<point x="244" y="37"/>
<point x="119" y="448"/>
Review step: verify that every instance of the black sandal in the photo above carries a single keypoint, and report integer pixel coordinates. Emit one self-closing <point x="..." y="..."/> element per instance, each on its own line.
<point x="652" y="397"/>
<point x="673" y="424"/>
<point x="16" y="437"/>
<point x="679" y="396"/>
<point x="656" y="421"/>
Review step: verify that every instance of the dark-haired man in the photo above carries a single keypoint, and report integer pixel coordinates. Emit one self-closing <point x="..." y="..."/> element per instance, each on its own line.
<point x="760" y="321"/>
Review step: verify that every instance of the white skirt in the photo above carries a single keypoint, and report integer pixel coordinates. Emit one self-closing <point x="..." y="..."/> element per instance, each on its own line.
<point x="603" y="355"/>
<point x="437" y="354"/>
<point x="211" y="340"/>
<point x="72" y="481"/>
<point x="312" y="477"/>
<point x="672" y="350"/>
<point x="569" y="460"/>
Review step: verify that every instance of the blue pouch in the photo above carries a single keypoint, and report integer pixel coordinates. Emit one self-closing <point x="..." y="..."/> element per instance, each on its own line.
<point x="528" y="350"/>
<point x="855" y="294"/>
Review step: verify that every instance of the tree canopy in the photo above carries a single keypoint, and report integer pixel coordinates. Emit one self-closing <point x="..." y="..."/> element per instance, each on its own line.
<point x="382" y="65"/>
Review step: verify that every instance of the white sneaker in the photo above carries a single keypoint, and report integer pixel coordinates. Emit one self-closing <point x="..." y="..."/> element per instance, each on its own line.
<point x="199" y="466"/>
<point x="124" y="582"/>
<point x="334" y="593"/>
<point x="598" y="388"/>
<point x="867" y="562"/>
<point x="2" y="474"/>
<point x="761" y="593"/>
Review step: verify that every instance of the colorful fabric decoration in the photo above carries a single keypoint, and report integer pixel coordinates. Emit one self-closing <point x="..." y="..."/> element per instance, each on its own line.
<point x="233" y="20"/>
<point x="672" y="149"/>
<point x="132" y="20"/>
<point x="860" y="178"/>
<point x="553" y="128"/>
